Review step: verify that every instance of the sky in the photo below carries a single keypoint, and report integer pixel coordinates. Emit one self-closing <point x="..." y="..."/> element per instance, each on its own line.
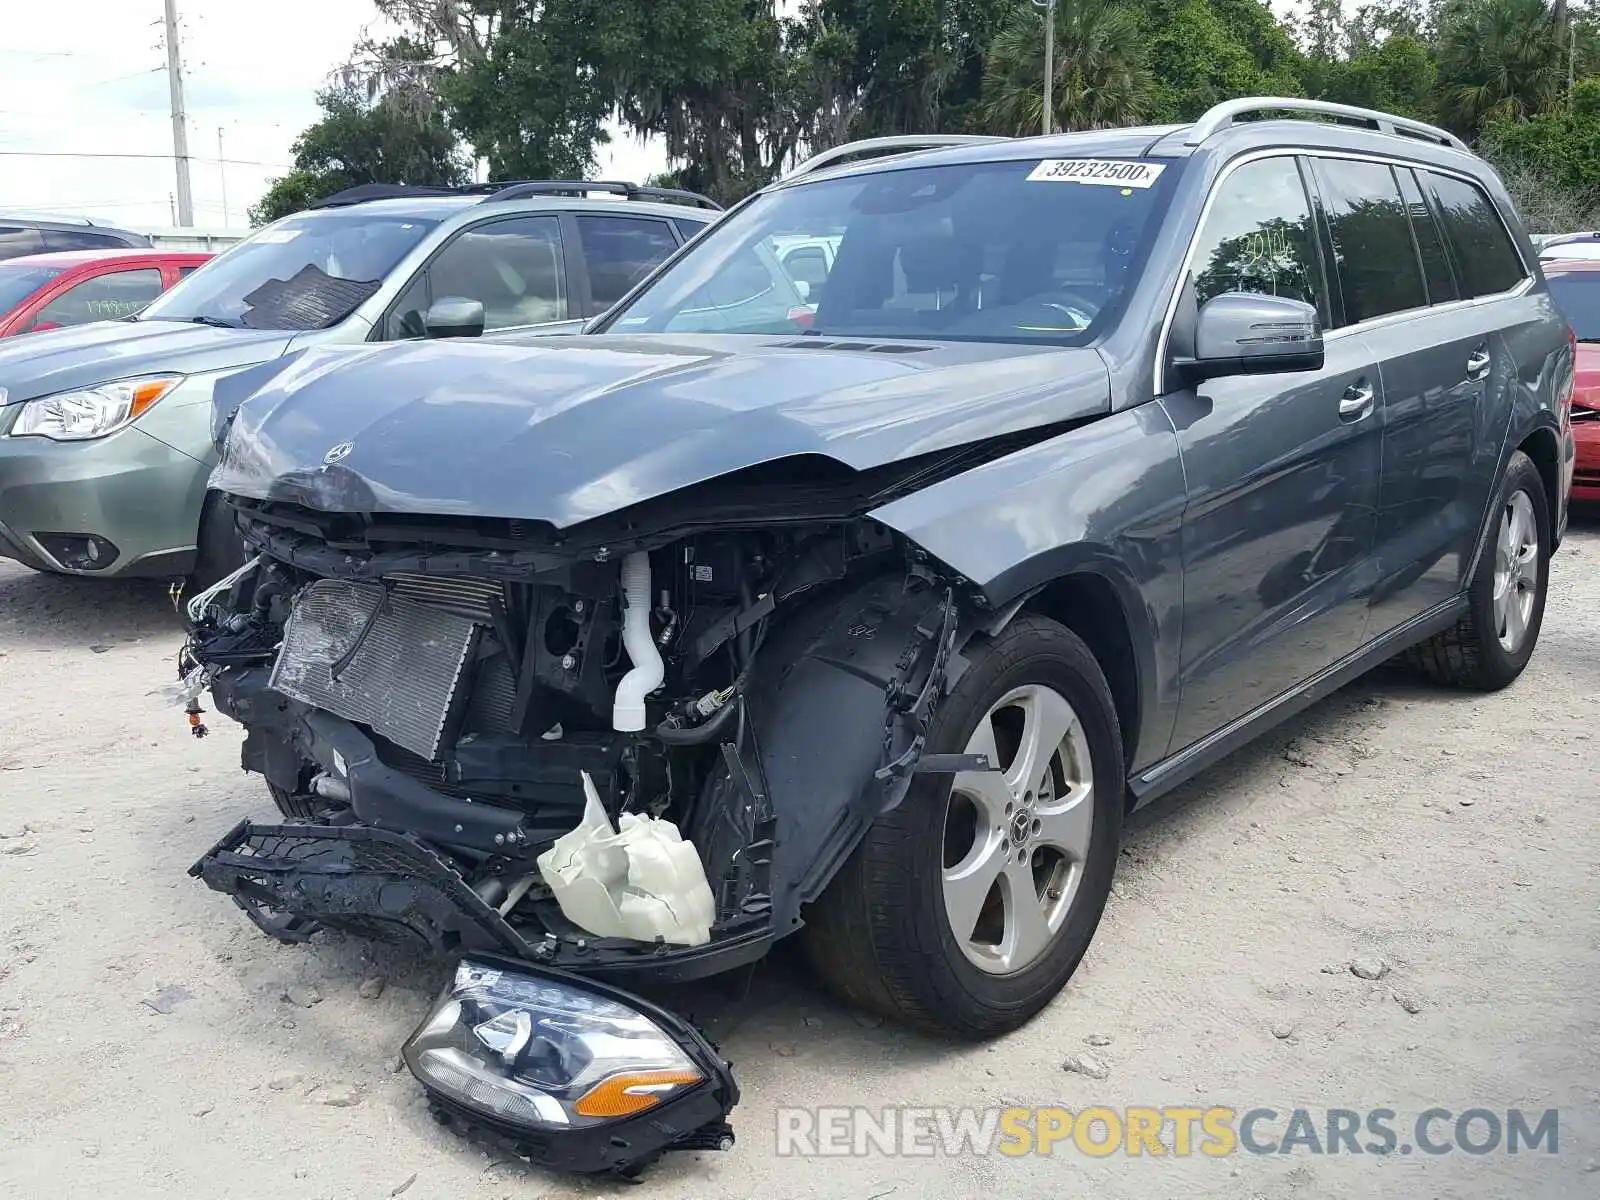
<point x="84" y="81"/>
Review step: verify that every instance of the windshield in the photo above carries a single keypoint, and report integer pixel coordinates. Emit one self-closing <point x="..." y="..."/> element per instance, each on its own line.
<point x="1005" y="251"/>
<point x="19" y="282"/>
<point x="304" y="272"/>
<point x="1577" y="295"/>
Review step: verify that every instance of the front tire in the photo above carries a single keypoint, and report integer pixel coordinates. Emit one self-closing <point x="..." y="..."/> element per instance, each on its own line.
<point x="1491" y="644"/>
<point x="965" y="909"/>
<point x="219" y="550"/>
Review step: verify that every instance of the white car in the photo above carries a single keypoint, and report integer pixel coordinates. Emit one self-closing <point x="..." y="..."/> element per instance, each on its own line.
<point x="1585" y="246"/>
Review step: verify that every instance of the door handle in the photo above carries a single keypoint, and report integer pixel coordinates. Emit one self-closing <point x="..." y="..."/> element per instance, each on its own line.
<point x="1478" y="364"/>
<point x="1356" y="401"/>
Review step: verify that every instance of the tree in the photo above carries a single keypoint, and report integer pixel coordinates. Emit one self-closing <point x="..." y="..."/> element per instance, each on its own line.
<point x="1551" y="164"/>
<point x="1396" y="74"/>
<point x="1100" y="75"/>
<point x="1205" y="51"/>
<point x="362" y="141"/>
<point x="873" y="67"/>
<point x="1499" y="60"/>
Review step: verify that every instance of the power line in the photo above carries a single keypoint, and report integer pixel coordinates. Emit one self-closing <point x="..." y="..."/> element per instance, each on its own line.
<point x="240" y="162"/>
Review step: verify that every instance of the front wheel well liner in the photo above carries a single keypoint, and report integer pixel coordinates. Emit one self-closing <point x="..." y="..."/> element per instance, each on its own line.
<point x="1087" y="603"/>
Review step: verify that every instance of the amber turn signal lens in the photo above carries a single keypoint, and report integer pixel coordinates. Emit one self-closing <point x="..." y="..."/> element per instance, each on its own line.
<point x="147" y="393"/>
<point x="623" y="1095"/>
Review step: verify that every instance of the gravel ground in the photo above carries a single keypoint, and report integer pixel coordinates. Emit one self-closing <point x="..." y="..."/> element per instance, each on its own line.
<point x="153" y="1044"/>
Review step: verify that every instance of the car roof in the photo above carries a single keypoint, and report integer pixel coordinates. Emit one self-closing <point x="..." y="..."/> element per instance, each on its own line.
<point x="131" y="254"/>
<point x="64" y="222"/>
<point x="1220" y="132"/>
<point x="439" y="208"/>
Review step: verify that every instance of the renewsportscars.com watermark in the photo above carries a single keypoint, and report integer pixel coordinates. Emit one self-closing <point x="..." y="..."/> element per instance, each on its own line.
<point x="1170" y="1131"/>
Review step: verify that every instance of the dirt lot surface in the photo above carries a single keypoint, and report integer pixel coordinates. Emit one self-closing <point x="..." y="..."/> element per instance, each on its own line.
<point x="152" y="1043"/>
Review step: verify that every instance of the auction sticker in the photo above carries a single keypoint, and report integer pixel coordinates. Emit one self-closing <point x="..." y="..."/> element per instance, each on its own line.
<point x="1113" y="172"/>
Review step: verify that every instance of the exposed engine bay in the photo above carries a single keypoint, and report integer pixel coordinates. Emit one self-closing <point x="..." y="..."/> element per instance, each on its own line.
<point x="564" y="764"/>
<point x="634" y="763"/>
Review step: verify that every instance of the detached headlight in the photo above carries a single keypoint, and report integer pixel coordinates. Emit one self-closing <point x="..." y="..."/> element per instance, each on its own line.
<point x="570" y="1063"/>
<point x="92" y="412"/>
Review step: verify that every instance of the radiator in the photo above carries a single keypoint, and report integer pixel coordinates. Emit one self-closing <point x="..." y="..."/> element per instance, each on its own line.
<point x="400" y="662"/>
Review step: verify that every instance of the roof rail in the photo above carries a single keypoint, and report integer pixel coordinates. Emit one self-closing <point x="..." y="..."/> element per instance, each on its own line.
<point x="525" y="188"/>
<point x="19" y="214"/>
<point x="901" y="143"/>
<point x="362" y="192"/>
<point x="1221" y="116"/>
<point x="511" y="189"/>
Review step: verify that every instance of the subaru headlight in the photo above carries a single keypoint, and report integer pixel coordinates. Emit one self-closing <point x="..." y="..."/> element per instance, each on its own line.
<point x="523" y="1049"/>
<point x="91" y="412"/>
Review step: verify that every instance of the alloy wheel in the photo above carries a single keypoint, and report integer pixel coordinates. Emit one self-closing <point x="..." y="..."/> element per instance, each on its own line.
<point x="1016" y="839"/>
<point x="1516" y="571"/>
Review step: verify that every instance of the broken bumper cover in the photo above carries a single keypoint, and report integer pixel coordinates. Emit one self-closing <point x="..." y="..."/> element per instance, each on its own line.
<point x="570" y="1074"/>
<point x="292" y="880"/>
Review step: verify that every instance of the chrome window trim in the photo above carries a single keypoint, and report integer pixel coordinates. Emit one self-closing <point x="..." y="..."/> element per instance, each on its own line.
<point x="1159" y="374"/>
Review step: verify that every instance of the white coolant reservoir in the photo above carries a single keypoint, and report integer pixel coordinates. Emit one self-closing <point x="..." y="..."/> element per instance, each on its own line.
<point x="640" y="881"/>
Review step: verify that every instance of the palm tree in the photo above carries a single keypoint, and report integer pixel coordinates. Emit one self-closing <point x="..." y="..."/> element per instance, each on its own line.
<point x="1501" y="59"/>
<point x="1101" y="78"/>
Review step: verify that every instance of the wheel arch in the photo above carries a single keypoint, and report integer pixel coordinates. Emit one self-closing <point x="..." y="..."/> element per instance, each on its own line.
<point x="1088" y="590"/>
<point x="1542" y="445"/>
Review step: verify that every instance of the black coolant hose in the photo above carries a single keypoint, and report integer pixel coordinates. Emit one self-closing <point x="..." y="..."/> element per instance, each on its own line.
<point x="698" y="735"/>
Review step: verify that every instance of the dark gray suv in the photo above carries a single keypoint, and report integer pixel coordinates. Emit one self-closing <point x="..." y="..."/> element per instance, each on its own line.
<point x="868" y="613"/>
<point x="21" y="235"/>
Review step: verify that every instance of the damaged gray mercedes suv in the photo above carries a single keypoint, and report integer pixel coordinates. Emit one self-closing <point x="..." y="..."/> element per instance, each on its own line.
<point x="866" y="610"/>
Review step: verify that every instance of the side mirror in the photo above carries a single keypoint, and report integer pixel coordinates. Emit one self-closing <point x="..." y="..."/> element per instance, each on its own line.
<point x="454" y="316"/>
<point x="1241" y="333"/>
<point x="802" y="289"/>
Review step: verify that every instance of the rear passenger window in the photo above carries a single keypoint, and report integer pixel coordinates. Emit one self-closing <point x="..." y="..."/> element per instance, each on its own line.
<point x="1486" y="260"/>
<point x="1259" y="238"/>
<point x="16" y="241"/>
<point x="620" y="252"/>
<point x="71" y="239"/>
<point x="1374" y="255"/>
<point x="1435" y="262"/>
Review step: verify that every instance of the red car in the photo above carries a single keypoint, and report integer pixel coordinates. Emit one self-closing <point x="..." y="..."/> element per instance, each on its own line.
<point x="1575" y="286"/>
<point x="49" y="291"/>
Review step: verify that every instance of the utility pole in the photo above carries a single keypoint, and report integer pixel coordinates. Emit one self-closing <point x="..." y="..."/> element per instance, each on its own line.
<point x="180" y="134"/>
<point x="1049" y="7"/>
<point x="172" y="213"/>
<point x="222" y="169"/>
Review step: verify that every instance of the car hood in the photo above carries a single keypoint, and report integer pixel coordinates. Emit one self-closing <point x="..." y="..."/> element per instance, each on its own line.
<point x="564" y="429"/>
<point x="59" y="360"/>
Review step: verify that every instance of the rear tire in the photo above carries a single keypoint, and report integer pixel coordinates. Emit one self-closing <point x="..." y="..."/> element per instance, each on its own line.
<point x="1491" y="644"/>
<point x="883" y="934"/>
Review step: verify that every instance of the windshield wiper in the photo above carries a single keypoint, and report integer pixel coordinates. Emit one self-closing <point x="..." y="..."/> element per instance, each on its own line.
<point x="214" y="322"/>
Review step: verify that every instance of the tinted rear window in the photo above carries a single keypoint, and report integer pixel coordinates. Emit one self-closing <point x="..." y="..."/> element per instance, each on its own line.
<point x="73" y="239"/>
<point x="1486" y="260"/>
<point x="1430" y="243"/>
<point x="19" y="239"/>
<point x="1577" y="295"/>
<point x="1376" y="258"/>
